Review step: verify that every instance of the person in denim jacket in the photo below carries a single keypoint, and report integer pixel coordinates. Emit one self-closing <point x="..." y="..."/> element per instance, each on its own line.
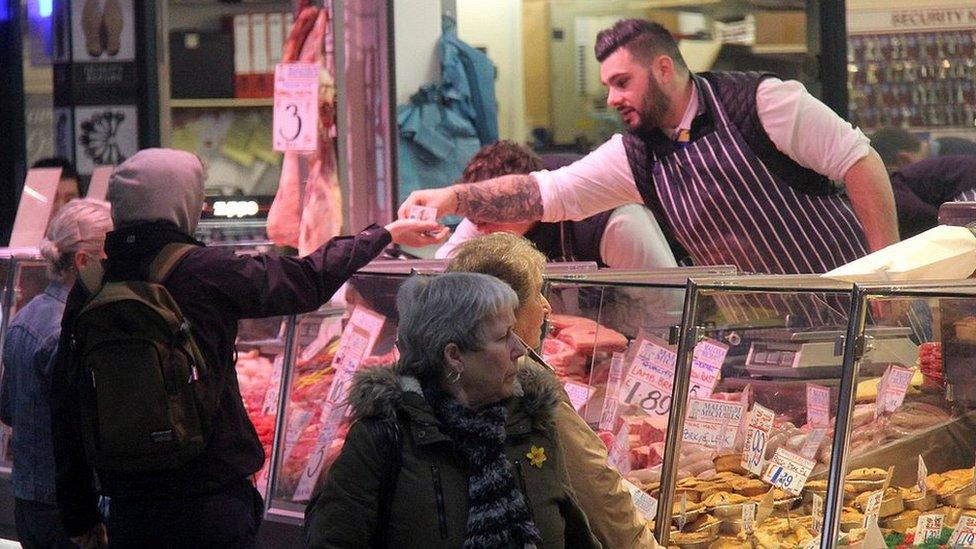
<point x="74" y="238"/>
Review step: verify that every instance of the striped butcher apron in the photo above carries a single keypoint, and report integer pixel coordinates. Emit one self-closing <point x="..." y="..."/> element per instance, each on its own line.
<point x="726" y="207"/>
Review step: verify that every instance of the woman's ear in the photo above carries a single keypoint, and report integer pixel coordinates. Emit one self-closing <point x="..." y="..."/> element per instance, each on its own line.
<point x="81" y="260"/>
<point x="452" y="357"/>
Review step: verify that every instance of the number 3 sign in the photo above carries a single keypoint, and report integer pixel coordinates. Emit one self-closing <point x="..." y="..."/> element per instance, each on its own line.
<point x="296" y="101"/>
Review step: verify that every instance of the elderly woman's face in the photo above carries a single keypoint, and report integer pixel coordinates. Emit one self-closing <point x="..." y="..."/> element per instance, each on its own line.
<point x="531" y="314"/>
<point x="489" y="373"/>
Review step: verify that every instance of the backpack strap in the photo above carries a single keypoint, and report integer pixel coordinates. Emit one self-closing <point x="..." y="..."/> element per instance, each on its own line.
<point x="166" y="260"/>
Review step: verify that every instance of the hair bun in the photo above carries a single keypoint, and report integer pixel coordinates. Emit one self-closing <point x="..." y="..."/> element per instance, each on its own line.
<point x="49" y="251"/>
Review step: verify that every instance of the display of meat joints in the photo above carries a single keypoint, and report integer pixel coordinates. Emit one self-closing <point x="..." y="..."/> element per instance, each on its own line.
<point x="307" y="209"/>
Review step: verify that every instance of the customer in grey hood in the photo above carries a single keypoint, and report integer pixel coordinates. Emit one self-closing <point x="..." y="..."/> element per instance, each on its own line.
<point x="156" y="198"/>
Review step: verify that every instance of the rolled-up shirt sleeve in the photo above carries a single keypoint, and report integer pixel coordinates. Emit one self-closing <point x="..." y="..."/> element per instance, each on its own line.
<point x="808" y="131"/>
<point x="600" y="181"/>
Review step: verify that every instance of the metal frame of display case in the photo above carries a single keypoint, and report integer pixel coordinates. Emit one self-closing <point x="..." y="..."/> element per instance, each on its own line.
<point x="688" y="339"/>
<point x="853" y="353"/>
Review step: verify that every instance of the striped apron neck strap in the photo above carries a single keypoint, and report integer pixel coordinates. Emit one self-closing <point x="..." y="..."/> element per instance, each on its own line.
<point x="705" y="87"/>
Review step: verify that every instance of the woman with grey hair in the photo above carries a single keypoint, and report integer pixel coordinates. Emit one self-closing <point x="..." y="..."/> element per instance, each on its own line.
<point x="454" y="447"/>
<point x="75" y="237"/>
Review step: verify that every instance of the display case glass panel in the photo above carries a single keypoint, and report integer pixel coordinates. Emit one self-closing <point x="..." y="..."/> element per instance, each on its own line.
<point x="903" y="464"/>
<point x="756" y="377"/>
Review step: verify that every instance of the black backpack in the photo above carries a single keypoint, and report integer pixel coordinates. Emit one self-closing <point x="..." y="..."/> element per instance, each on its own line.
<point x="142" y="378"/>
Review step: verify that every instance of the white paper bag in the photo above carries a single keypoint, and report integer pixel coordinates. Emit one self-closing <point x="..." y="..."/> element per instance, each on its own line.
<point x="942" y="253"/>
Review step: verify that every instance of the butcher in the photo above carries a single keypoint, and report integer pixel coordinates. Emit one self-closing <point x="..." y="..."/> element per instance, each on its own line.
<point x="737" y="167"/>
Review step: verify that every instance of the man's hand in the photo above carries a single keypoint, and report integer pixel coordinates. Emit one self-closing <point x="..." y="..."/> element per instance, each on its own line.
<point x="416" y="233"/>
<point x="444" y="199"/>
<point x="95" y="538"/>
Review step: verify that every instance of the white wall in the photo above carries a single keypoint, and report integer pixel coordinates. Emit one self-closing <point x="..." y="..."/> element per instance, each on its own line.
<point x="417" y="26"/>
<point x="497" y="26"/>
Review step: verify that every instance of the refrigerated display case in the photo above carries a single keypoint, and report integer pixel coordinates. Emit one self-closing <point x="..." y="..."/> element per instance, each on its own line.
<point x="756" y="374"/>
<point x="905" y="454"/>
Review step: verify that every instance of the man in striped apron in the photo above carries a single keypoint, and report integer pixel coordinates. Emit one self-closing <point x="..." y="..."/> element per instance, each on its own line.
<point x="737" y="167"/>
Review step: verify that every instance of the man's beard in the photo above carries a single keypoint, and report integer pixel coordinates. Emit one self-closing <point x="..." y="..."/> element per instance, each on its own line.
<point x="655" y="107"/>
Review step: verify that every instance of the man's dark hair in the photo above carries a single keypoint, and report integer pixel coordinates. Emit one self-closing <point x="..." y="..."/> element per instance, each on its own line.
<point x="67" y="168"/>
<point x="498" y="159"/>
<point x="891" y="141"/>
<point x="642" y="38"/>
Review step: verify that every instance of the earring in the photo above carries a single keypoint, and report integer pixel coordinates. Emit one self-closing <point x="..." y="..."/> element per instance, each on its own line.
<point x="454" y="376"/>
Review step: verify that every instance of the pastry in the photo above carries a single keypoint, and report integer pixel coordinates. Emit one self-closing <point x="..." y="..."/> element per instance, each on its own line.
<point x="748" y="486"/>
<point x="891" y="504"/>
<point x="914" y="499"/>
<point x="729" y="463"/>
<point x="902" y="521"/>
<point x="850" y="518"/>
<point x="724" y="498"/>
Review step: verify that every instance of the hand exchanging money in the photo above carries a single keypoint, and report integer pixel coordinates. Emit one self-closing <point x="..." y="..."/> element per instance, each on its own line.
<point x="417" y="233"/>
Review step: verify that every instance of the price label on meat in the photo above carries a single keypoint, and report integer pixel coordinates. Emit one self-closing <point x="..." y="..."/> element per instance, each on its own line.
<point x="649" y="381"/>
<point x="296" y="107"/>
<point x="788" y="471"/>
<point x="578" y="393"/>
<point x="818" y="405"/>
<point x="619" y="456"/>
<point x="965" y="533"/>
<point x="608" y="416"/>
<point x="928" y="526"/>
<point x="712" y="423"/>
<point x="892" y="388"/>
<point x="358" y="338"/>
<point x="706" y="365"/>
<point x="645" y="504"/>
<point x="760" y="423"/>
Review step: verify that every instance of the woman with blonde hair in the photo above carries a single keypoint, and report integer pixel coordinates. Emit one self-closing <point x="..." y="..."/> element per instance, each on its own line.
<point x="75" y="238"/>
<point x="599" y="489"/>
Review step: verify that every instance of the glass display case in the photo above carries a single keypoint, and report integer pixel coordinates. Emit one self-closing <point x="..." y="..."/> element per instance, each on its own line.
<point x="756" y="377"/>
<point x="902" y="467"/>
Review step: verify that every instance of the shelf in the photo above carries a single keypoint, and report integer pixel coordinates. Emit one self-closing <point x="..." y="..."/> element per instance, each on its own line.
<point x="779" y="49"/>
<point x="229" y="103"/>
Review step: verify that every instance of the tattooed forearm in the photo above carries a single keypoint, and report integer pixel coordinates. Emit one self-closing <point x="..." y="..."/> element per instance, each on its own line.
<point x="504" y="199"/>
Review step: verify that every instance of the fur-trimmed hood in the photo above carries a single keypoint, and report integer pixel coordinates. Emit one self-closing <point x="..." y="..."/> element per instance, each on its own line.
<point x="379" y="392"/>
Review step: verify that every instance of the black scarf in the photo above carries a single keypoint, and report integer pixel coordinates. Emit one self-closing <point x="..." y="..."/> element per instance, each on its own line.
<point x="498" y="515"/>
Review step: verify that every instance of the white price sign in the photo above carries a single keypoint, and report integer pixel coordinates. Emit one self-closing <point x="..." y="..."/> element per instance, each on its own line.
<point x="295" y="124"/>
<point x="608" y="416"/>
<point x="923" y="473"/>
<point x="892" y="388"/>
<point x="788" y="471"/>
<point x="650" y="379"/>
<point x="872" y="509"/>
<point x="712" y="423"/>
<point x="619" y="456"/>
<point x="928" y="526"/>
<point x="706" y="366"/>
<point x="812" y="444"/>
<point x="358" y="338"/>
<point x="818" y="405"/>
<point x="965" y="533"/>
<point x="817" y="513"/>
<point x="578" y="393"/>
<point x="645" y="503"/>
<point x="269" y="405"/>
<point x="748" y="516"/>
<point x="760" y="423"/>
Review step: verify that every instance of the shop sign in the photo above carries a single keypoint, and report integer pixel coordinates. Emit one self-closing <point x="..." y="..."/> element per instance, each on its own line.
<point x="712" y="423"/>
<point x="911" y="20"/>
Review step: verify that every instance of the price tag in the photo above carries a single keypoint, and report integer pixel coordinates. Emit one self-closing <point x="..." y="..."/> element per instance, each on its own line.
<point x="422" y="213"/>
<point x="788" y="471"/>
<point x="812" y="444"/>
<point x="816" y="512"/>
<point x="578" y="393"/>
<point x="608" y="416"/>
<point x="965" y="533"/>
<point x="818" y="405"/>
<point x="928" y="526"/>
<point x="650" y="379"/>
<point x="892" y="388"/>
<point x="619" y="456"/>
<point x="645" y="503"/>
<point x="872" y="509"/>
<point x="923" y="473"/>
<point x="706" y="366"/>
<point x="754" y="453"/>
<point x="295" y="124"/>
<point x="748" y="517"/>
<point x="270" y="404"/>
<point x="712" y="423"/>
<point x="358" y="338"/>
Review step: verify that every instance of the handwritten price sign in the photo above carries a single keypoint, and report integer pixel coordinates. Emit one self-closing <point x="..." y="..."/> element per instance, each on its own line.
<point x="650" y="379"/>
<point x="965" y="533"/>
<point x="818" y="405"/>
<point x="608" y="416"/>
<point x="712" y="423"/>
<point x="928" y="526"/>
<point x="788" y="471"/>
<point x="296" y="107"/>
<point x="892" y="388"/>
<point x="706" y="365"/>
<point x="760" y="423"/>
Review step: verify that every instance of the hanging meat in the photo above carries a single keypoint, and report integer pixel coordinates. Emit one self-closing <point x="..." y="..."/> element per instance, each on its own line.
<point x="307" y="209"/>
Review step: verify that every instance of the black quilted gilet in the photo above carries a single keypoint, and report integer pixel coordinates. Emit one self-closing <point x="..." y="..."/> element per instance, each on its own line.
<point x="582" y="239"/>
<point x="736" y="92"/>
